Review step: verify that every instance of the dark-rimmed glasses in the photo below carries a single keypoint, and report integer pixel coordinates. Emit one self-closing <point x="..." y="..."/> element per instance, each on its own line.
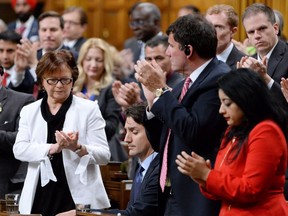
<point x="138" y="23"/>
<point x="63" y="81"/>
<point x="70" y="22"/>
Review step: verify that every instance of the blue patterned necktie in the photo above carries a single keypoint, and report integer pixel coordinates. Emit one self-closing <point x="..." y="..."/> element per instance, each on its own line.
<point x="137" y="181"/>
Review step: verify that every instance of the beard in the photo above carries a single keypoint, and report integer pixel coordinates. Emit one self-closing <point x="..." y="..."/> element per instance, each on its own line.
<point x="23" y="17"/>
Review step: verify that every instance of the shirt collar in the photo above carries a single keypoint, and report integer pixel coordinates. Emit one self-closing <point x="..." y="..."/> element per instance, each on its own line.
<point x="70" y="44"/>
<point x="224" y="55"/>
<point x="268" y="55"/>
<point x="146" y="163"/>
<point x="195" y="74"/>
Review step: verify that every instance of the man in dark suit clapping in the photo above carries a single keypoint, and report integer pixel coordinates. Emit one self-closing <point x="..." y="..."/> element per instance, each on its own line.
<point x="184" y="122"/>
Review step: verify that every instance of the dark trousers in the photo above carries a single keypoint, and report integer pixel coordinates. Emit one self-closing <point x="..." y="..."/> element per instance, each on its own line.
<point x="170" y="205"/>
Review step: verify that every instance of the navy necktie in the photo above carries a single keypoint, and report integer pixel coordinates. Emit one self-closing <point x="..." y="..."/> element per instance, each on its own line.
<point x="137" y="182"/>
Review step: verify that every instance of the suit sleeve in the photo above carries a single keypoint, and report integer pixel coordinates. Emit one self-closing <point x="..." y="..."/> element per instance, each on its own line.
<point x="190" y="122"/>
<point x="111" y="112"/>
<point x="9" y="131"/>
<point x="278" y="95"/>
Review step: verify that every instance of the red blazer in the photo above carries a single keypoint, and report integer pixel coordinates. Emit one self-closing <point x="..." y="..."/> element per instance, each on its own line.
<point x="253" y="183"/>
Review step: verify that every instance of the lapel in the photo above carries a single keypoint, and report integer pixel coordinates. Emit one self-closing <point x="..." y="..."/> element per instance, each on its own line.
<point x="276" y="57"/>
<point x="151" y="168"/>
<point x="154" y="163"/>
<point x="232" y="57"/>
<point x="79" y="42"/>
<point x="3" y="96"/>
<point x="197" y="82"/>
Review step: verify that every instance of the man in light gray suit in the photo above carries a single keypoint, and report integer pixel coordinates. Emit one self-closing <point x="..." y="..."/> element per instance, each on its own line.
<point x="11" y="102"/>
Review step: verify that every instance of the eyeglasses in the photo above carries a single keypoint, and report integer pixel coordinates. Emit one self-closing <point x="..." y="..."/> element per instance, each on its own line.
<point x="70" y="22"/>
<point x="63" y="81"/>
<point x="138" y="23"/>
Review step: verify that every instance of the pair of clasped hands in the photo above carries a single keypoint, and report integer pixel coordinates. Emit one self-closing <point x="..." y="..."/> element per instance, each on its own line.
<point x="64" y="140"/>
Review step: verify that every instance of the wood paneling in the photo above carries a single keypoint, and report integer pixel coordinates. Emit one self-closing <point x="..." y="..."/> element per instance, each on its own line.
<point x="108" y="19"/>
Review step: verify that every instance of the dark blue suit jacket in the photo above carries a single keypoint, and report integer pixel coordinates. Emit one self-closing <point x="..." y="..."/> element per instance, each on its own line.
<point x="147" y="201"/>
<point x="196" y="126"/>
<point x="78" y="44"/>
<point x="234" y="56"/>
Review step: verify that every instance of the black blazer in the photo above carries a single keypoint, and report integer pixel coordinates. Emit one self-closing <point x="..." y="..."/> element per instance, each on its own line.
<point x="147" y="201"/>
<point x="135" y="46"/>
<point x="78" y="44"/>
<point x="196" y="126"/>
<point x="278" y="62"/>
<point x="234" y="56"/>
<point x="11" y="103"/>
<point x="110" y="111"/>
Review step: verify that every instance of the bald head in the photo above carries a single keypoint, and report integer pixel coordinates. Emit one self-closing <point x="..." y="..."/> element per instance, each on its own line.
<point x="145" y="21"/>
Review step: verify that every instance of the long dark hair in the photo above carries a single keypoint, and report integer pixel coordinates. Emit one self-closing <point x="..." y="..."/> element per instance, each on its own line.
<point x="249" y="91"/>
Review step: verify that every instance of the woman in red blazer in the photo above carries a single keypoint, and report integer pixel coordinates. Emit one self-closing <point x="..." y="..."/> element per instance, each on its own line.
<point x="249" y="172"/>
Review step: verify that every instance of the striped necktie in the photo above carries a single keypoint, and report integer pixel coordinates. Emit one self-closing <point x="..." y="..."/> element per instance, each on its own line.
<point x="4" y="79"/>
<point x="164" y="167"/>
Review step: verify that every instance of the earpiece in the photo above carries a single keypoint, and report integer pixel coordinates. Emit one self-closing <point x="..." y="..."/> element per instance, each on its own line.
<point x="187" y="50"/>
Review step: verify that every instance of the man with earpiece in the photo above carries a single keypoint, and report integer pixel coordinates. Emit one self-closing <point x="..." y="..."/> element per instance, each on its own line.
<point x="185" y="118"/>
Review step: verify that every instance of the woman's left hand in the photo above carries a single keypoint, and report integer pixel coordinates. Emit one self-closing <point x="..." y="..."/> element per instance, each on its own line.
<point x="67" y="140"/>
<point x="194" y="166"/>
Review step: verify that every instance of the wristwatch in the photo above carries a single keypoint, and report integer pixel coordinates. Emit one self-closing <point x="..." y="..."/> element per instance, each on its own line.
<point x="78" y="149"/>
<point x="160" y="91"/>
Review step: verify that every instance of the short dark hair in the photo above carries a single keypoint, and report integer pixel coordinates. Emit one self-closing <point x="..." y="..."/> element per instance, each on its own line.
<point x="157" y="40"/>
<point x="11" y="36"/>
<point x="51" y="14"/>
<point x="259" y="8"/>
<point x="80" y="11"/>
<point x="52" y="61"/>
<point x="136" y="111"/>
<point x="196" y="31"/>
<point x="192" y="8"/>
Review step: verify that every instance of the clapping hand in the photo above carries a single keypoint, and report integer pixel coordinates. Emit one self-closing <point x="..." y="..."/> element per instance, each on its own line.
<point x="194" y="166"/>
<point x="67" y="140"/>
<point x="284" y="87"/>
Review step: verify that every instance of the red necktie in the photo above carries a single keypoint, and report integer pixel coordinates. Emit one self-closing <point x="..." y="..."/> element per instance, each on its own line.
<point x="4" y="79"/>
<point x="21" y="29"/>
<point x="164" y="168"/>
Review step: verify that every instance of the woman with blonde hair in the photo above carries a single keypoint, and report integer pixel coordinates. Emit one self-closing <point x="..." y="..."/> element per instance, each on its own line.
<point x="95" y="64"/>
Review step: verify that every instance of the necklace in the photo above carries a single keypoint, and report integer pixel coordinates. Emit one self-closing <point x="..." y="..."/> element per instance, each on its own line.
<point x="228" y="150"/>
